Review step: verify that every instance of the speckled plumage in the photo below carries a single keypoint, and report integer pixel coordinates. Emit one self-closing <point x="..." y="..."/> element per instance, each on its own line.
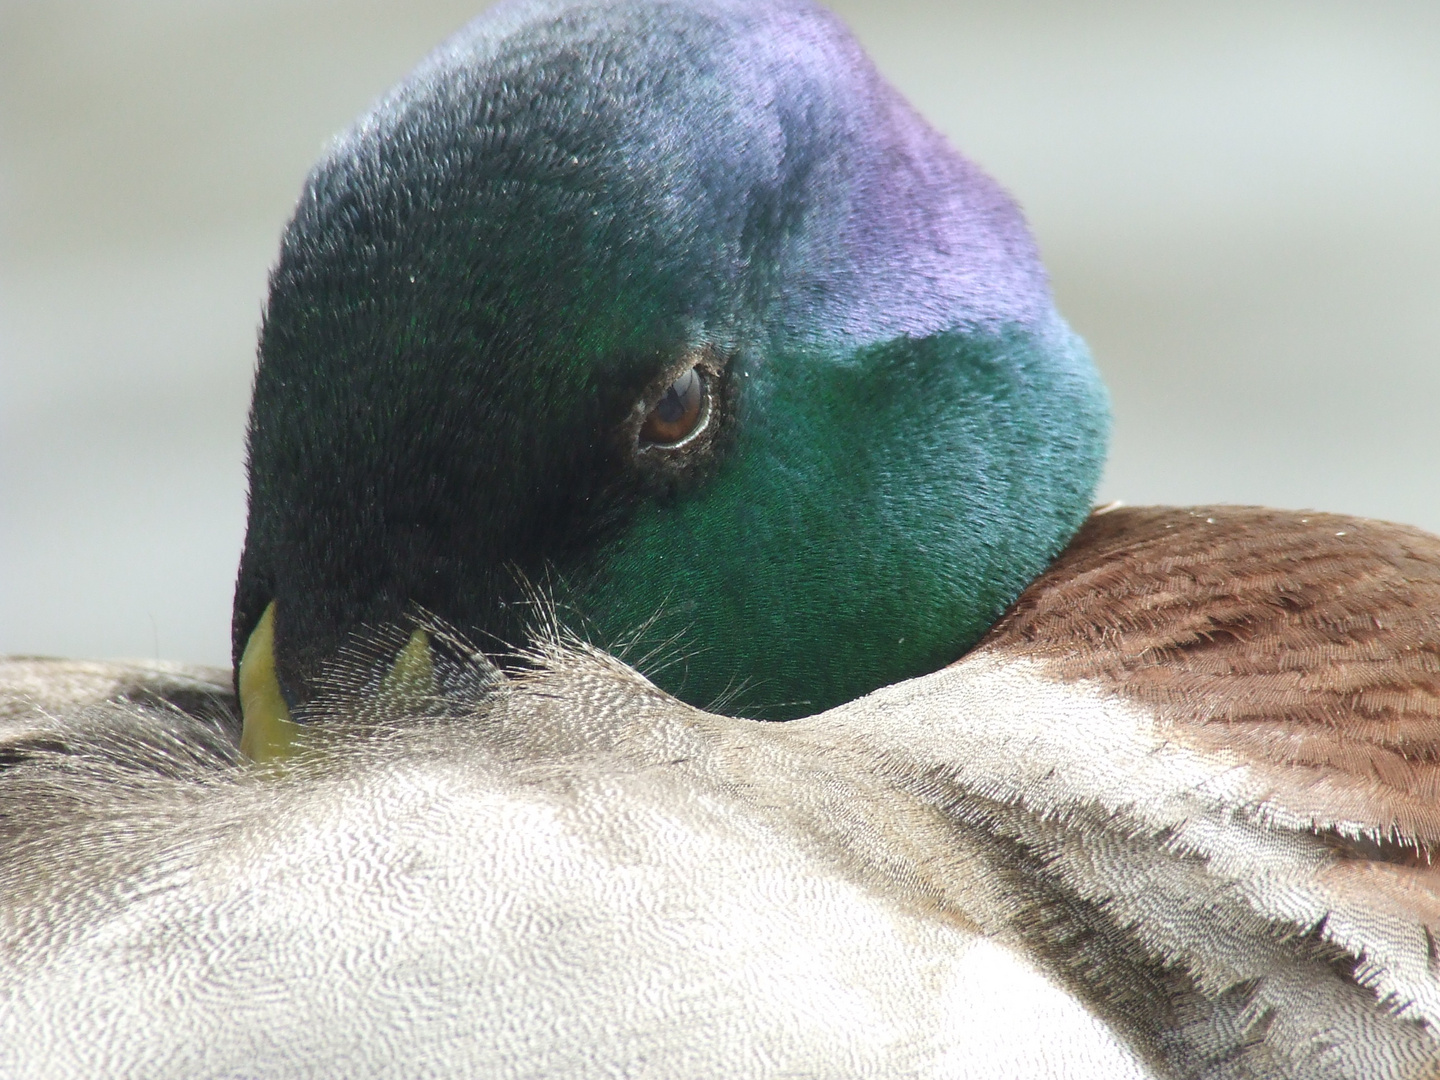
<point x="582" y="877"/>
<point x="1028" y="837"/>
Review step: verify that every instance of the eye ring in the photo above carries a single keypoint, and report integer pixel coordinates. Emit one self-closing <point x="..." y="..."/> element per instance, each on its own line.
<point x="681" y="414"/>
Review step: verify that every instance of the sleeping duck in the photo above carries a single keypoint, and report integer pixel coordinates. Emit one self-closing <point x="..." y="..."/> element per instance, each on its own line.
<point x="665" y="330"/>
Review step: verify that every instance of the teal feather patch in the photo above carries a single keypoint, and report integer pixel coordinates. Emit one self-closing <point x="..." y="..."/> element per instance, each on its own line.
<point x="876" y="515"/>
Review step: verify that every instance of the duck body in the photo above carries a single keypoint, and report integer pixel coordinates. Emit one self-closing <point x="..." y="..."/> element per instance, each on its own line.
<point x="1163" y="821"/>
<point x="587" y="878"/>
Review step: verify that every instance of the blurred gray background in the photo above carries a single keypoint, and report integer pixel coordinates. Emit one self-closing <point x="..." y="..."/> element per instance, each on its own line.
<point x="1239" y="204"/>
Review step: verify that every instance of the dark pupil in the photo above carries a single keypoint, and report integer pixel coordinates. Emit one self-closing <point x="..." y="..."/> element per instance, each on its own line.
<point x="676" y="401"/>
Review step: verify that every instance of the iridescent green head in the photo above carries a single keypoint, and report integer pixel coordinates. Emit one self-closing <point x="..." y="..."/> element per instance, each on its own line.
<point x="677" y="311"/>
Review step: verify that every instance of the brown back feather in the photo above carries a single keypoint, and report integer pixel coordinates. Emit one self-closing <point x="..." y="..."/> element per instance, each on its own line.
<point x="1307" y="644"/>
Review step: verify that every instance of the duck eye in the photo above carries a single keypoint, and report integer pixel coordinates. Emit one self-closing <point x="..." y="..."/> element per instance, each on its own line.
<point x="678" y="413"/>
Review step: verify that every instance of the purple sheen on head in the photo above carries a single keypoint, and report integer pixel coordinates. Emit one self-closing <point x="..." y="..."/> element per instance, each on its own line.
<point x="751" y="105"/>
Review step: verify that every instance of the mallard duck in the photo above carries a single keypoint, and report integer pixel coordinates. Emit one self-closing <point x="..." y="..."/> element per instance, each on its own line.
<point x="671" y="323"/>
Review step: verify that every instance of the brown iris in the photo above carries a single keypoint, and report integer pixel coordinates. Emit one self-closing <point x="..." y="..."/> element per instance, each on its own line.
<point x="678" y="412"/>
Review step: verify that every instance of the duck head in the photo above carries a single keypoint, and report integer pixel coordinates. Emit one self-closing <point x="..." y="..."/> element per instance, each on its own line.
<point x="676" y="309"/>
